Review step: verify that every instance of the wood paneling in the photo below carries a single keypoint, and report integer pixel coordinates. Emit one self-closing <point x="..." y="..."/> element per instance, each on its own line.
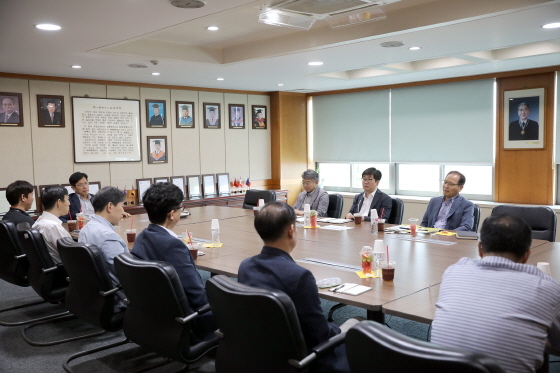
<point x="525" y="176"/>
<point x="289" y="140"/>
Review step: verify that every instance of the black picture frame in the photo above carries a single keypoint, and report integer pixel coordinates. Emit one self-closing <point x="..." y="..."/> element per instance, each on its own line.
<point x="258" y="117"/>
<point x="236" y="114"/>
<point x="154" y="153"/>
<point x="50" y="111"/>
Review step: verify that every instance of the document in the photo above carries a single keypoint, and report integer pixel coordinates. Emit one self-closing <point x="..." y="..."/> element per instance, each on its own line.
<point x="350" y="289"/>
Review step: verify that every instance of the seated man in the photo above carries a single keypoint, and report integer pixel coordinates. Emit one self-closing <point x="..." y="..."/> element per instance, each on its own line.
<point x="20" y="197"/>
<point x="450" y="212"/>
<point x="163" y="203"/>
<point x="108" y="207"/>
<point x="498" y="305"/>
<point x="275" y="269"/>
<point x="81" y="200"/>
<point x="55" y="203"/>
<point x="317" y="198"/>
<point x="371" y="197"/>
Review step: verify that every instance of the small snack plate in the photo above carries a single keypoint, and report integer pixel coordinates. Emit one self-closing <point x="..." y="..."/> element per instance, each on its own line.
<point x="329" y="282"/>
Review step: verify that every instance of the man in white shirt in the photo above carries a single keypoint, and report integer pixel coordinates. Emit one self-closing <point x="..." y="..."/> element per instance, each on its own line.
<point x="55" y="203"/>
<point x="371" y="197"/>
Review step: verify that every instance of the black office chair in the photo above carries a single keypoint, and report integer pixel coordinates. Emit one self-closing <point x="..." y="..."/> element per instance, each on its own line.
<point x="335" y="205"/>
<point x="91" y="295"/>
<point x="48" y="280"/>
<point x="391" y="351"/>
<point x="252" y="197"/>
<point x="158" y="314"/>
<point x="397" y="211"/>
<point x="14" y="268"/>
<point x="476" y="215"/>
<point x="541" y="219"/>
<point x="259" y="329"/>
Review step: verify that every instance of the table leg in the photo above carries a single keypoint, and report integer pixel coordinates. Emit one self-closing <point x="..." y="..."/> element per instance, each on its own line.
<point x="377" y="316"/>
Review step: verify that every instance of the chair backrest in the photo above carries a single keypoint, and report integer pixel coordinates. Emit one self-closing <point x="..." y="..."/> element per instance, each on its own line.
<point x="89" y="278"/>
<point x="476" y="216"/>
<point x="370" y="342"/>
<point x="155" y="299"/>
<point x="260" y="328"/>
<point x="541" y="219"/>
<point x="46" y="278"/>
<point x="335" y="205"/>
<point x="13" y="262"/>
<point x="397" y="211"/>
<point x="252" y="197"/>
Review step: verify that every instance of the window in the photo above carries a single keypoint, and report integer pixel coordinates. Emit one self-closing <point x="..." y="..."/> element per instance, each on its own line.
<point x="346" y="177"/>
<point x="418" y="179"/>
<point x="478" y="178"/>
<point x="334" y="174"/>
<point x="358" y="168"/>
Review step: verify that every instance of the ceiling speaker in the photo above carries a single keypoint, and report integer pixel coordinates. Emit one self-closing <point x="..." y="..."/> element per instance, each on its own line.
<point x="189" y="4"/>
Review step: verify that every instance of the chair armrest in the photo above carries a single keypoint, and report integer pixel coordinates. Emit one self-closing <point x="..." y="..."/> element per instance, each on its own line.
<point x="201" y="310"/>
<point x="47" y="270"/>
<point x="319" y="350"/>
<point x="110" y="292"/>
<point x="20" y="256"/>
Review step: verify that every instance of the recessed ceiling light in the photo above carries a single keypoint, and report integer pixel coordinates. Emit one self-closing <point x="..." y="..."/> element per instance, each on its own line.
<point x="212" y="28"/>
<point x="392" y="44"/>
<point x="48" y="27"/>
<point x="316" y="63"/>
<point x="552" y="25"/>
<point x="280" y="84"/>
<point x="220" y="79"/>
<point x="76" y="67"/>
<point x="414" y="48"/>
<point x="155" y="73"/>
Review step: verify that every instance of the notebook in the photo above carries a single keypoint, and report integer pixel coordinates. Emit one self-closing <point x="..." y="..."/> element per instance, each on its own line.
<point x="351" y="289"/>
<point x="467" y="235"/>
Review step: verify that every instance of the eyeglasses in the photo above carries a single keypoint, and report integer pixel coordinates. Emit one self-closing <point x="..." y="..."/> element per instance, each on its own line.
<point x="182" y="208"/>
<point x="308" y="182"/>
<point x="81" y="185"/>
<point x="448" y="183"/>
<point x="367" y="180"/>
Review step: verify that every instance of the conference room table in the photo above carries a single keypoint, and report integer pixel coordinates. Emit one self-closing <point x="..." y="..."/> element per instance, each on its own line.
<point x="420" y="260"/>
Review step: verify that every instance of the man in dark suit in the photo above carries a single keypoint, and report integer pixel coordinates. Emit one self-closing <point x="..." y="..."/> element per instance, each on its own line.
<point x="371" y="197"/>
<point x="51" y="116"/>
<point x="275" y="269"/>
<point x="524" y="128"/>
<point x="163" y="203"/>
<point x="156" y="119"/>
<point x="451" y="211"/>
<point x="9" y="115"/>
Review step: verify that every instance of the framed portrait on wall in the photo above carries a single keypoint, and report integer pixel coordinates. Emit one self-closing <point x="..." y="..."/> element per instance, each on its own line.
<point x="185" y="114"/>
<point x="524" y="119"/>
<point x="211" y="115"/>
<point x="157" y="149"/>
<point x="155" y="114"/>
<point x="259" y="116"/>
<point x="50" y="111"/>
<point x="11" y="109"/>
<point x="236" y="116"/>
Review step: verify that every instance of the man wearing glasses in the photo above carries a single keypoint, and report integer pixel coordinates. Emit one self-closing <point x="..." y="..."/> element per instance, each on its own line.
<point x="450" y="211"/>
<point x="163" y="203"/>
<point x="317" y="198"/>
<point x="371" y="197"/>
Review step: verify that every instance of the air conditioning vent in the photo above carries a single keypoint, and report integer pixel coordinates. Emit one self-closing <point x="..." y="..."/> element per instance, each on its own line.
<point x="321" y="7"/>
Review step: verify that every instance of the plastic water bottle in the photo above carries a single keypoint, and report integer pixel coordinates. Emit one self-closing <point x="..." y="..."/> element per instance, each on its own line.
<point x="306" y="215"/>
<point x="378" y="257"/>
<point x="215" y="232"/>
<point x="374" y="229"/>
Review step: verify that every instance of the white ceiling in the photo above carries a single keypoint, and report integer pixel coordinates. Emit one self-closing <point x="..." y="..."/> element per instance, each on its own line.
<point x="457" y="37"/>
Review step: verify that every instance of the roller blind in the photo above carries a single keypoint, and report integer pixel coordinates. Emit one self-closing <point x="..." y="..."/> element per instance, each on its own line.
<point x="351" y="127"/>
<point x="450" y="122"/>
<point x="557" y="120"/>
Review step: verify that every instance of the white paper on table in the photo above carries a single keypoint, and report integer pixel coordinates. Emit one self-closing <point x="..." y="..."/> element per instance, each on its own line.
<point x="337" y="227"/>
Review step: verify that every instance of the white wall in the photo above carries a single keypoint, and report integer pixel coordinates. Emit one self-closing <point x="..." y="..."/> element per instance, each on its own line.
<point x="46" y="156"/>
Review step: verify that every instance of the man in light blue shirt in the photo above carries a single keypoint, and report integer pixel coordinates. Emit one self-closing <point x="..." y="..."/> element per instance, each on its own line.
<point x="108" y="206"/>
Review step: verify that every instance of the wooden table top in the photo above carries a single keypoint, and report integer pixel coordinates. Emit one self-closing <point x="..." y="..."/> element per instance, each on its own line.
<point x="419" y="264"/>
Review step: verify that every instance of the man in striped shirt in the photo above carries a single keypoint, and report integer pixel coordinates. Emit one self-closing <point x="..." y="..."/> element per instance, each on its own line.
<point x="498" y="305"/>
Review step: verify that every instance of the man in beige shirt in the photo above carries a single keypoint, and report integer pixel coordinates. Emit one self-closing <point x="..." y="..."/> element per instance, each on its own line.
<point x="55" y="203"/>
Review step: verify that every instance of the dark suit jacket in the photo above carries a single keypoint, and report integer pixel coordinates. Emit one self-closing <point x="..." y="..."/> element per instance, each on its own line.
<point x="46" y="117"/>
<point x="75" y="207"/>
<point x="380" y="201"/>
<point x="276" y="270"/>
<point x="14" y="118"/>
<point x="18" y="216"/>
<point x="531" y="131"/>
<point x="155" y="243"/>
<point x="460" y="217"/>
